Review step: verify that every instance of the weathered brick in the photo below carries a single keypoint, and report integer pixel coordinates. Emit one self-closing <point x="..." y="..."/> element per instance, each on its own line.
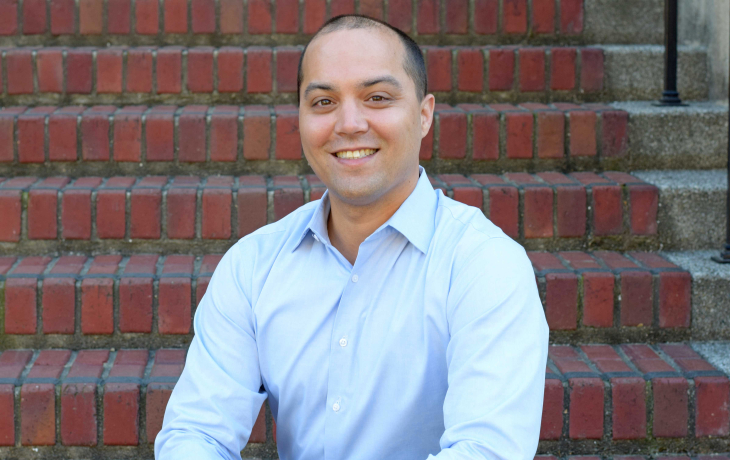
<point x="670" y="410"/>
<point x="615" y="128"/>
<point x="256" y="133"/>
<point x="203" y="16"/>
<point x="147" y="14"/>
<point x="532" y="69"/>
<point x="62" y="132"/>
<point x="501" y="69"/>
<point x="97" y="298"/>
<point x="438" y="68"/>
<point x="8" y="17"/>
<point x="78" y="70"/>
<point x="591" y="74"/>
<point x="550" y="134"/>
<point x="59" y="296"/>
<point x="486" y="16"/>
<point x="452" y="133"/>
<point x="582" y="127"/>
<point x="31" y="135"/>
<point x="636" y="298"/>
<point x="42" y="207"/>
<point x="169" y="70"/>
<point x="139" y="70"/>
<point x="561" y="300"/>
<point x="711" y="409"/>
<point x="252" y="204"/>
<point x="427" y="17"/>
<point x="287" y="62"/>
<point x="288" y="196"/>
<point x="571" y="16"/>
<point x="471" y="69"/>
<point x="258" y="70"/>
<point x="200" y="69"/>
<point x="598" y="299"/>
<point x="121" y="407"/>
<point x="181" y="206"/>
<point x="457" y="16"/>
<point x="20" y="306"/>
<point x="586" y="408"/>
<point x="287" y="16"/>
<point x="159" y="134"/>
<point x="629" y="408"/>
<point x="34" y="17"/>
<point x="7" y="411"/>
<point x="288" y="142"/>
<point x="158" y="394"/>
<point x="176" y="16"/>
<point x="485" y="135"/>
<point x="109" y="70"/>
<point x="562" y="68"/>
<point x="231" y="16"/>
<point x="607" y="210"/>
<point x="216" y="204"/>
<point x="259" y="16"/>
<point x="78" y="399"/>
<point x="675" y="299"/>
<point x="644" y="204"/>
<point x="543" y="16"/>
<point x="191" y="134"/>
<point x="62" y="17"/>
<point x="230" y="69"/>
<point x="91" y="17"/>
<point x="135" y="294"/>
<point x="128" y="135"/>
<point x="514" y="16"/>
<point x="119" y="14"/>
<point x="519" y="134"/>
<point x="338" y="7"/>
<point x="224" y="133"/>
<point x="111" y="208"/>
<point x="145" y="208"/>
<point x="174" y="312"/>
<point x="49" y="63"/>
<point x="38" y="414"/>
<point x="10" y="209"/>
<point x="372" y="8"/>
<point x="551" y="427"/>
<point x="400" y="14"/>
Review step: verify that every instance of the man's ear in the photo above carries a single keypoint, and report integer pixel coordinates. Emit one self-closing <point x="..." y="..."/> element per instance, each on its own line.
<point x="427" y="105"/>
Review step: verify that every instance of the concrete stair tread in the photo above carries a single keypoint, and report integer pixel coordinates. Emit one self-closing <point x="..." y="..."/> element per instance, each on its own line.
<point x="597" y="397"/>
<point x="255" y="74"/>
<point x="149" y="300"/>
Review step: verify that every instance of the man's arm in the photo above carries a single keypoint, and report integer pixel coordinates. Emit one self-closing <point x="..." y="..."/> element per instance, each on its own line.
<point x="496" y="357"/>
<point x="216" y="400"/>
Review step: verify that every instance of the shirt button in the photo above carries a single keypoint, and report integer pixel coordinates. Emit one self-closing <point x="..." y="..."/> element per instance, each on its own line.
<point x="336" y="407"/>
<point x="343" y="342"/>
<point x="315" y="237"/>
<point x="354" y="278"/>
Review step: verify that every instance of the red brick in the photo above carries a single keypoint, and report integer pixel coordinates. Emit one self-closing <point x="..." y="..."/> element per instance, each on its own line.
<point x="97" y="298"/>
<point x="438" y="67"/>
<point x="582" y="126"/>
<point x="7" y="134"/>
<point x="121" y="407"/>
<point x="670" y="411"/>
<point x="7" y="412"/>
<point x="598" y="299"/>
<point x="471" y="196"/>
<point x="550" y="134"/>
<point x="571" y="16"/>
<point x="258" y="70"/>
<point x="471" y="70"/>
<point x="169" y="70"/>
<point x="711" y="410"/>
<point x="191" y="132"/>
<point x="224" y="134"/>
<point x="200" y="70"/>
<point x="562" y="68"/>
<point x="259" y="16"/>
<point x="636" y="298"/>
<point x="231" y="16"/>
<point x="139" y="70"/>
<point x="91" y="17"/>
<point x="591" y="74"/>
<point x="181" y="206"/>
<point x="561" y="299"/>
<point x="176" y="16"/>
<point x="8" y="17"/>
<point x="485" y="135"/>
<point x="76" y="211"/>
<point x="400" y="14"/>
<point x="216" y="203"/>
<point x="614" y="127"/>
<point x="252" y="203"/>
<point x="675" y="299"/>
<point x="62" y="17"/>
<point x="486" y="13"/>
<point x="551" y="427"/>
<point x="629" y="408"/>
<point x="501" y="69"/>
<point x="503" y="209"/>
<point x="119" y="14"/>
<point x="607" y="210"/>
<point x="128" y="136"/>
<point x="452" y="134"/>
<point x="288" y="143"/>
<point x="426" y="150"/>
<point x="644" y="203"/>
<point x="519" y="134"/>
<point x="19" y="68"/>
<point x="538" y="212"/>
<point x="514" y="16"/>
<point x="457" y="16"/>
<point x="10" y="209"/>
<point x="230" y="69"/>
<point x="109" y="70"/>
<point x="288" y="197"/>
<point x="34" y="17"/>
<point x="38" y="414"/>
<point x="135" y="305"/>
<point x="571" y="211"/>
<point x="49" y="62"/>
<point x="31" y="135"/>
<point x="532" y="69"/>
<point x="287" y="16"/>
<point x="78" y="414"/>
<point x="427" y="17"/>
<point x="59" y="301"/>
<point x="287" y="62"/>
<point x="543" y="16"/>
<point x="372" y="8"/>
<point x="586" y="408"/>
<point x="158" y="394"/>
<point x="174" y="315"/>
<point x="78" y="70"/>
<point x="42" y="206"/>
<point x="20" y="306"/>
<point x="256" y="133"/>
<point x="159" y="134"/>
<point x="203" y="16"/>
<point x="145" y="211"/>
<point x="110" y="208"/>
<point x="147" y="14"/>
<point x="338" y="7"/>
<point x="62" y="144"/>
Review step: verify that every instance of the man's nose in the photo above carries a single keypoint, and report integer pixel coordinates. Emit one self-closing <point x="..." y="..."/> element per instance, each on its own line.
<point x="350" y="119"/>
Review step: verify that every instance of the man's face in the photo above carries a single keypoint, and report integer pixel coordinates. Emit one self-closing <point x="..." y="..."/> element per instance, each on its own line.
<point x="356" y="99"/>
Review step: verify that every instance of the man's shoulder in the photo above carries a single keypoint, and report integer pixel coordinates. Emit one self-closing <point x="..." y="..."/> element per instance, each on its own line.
<point x="465" y="225"/>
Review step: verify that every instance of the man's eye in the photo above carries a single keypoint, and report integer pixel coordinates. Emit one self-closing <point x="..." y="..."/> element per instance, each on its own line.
<point x="378" y="98"/>
<point x="323" y="102"/>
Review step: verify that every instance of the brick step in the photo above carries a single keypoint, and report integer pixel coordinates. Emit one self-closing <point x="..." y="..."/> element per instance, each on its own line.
<point x="149" y="300"/>
<point x="599" y="400"/>
<point x="466" y="139"/>
<point x="256" y="74"/>
<point x="292" y="22"/>
<point x="549" y="210"/>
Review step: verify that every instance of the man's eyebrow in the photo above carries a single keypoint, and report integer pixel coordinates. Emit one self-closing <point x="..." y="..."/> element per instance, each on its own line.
<point x="315" y="85"/>
<point x="384" y="79"/>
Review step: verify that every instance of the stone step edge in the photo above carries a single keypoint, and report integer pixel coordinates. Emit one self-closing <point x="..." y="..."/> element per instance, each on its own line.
<point x="113" y="295"/>
<point x="221" y="18"/>
<point x="633" y="392"/>
<point x="546" y="206"/>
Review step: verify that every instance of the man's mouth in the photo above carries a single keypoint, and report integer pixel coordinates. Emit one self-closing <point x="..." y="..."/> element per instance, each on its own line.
<point x="354" y="154"/>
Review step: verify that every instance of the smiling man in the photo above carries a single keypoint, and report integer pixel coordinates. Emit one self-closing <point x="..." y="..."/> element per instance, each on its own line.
<point x="384" y="321"/>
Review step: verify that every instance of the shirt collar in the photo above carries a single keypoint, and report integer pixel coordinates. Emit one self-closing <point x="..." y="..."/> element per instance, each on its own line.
<point x="414" y="219"/>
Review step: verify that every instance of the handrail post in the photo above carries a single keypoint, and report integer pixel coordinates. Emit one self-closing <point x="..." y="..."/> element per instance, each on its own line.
<point x="670" y="95"/>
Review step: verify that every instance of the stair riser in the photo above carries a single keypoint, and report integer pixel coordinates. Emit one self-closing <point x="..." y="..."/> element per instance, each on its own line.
<point x="266" y="75"/>
<point x="219" y="22"/>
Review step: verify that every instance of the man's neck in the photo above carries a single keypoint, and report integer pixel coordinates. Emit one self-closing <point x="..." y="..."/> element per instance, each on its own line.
<point x="349" y="225"/>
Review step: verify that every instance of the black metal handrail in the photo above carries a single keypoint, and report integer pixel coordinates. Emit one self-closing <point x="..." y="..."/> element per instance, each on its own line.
<point x="670" y="95"/>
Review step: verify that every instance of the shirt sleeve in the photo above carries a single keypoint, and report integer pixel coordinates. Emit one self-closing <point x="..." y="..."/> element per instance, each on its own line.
<point x="496" y="357"/>
<point x="216" y="401"/>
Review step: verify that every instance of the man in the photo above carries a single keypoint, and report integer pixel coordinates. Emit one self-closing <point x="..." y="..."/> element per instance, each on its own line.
<point x="384" y="321"/>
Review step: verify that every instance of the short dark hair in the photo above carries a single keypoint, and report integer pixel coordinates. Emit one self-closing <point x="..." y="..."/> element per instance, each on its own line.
<point x="413" y="64"/>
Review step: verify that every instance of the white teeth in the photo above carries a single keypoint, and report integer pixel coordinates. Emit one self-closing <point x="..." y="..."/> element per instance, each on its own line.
<point x="353" y="154"/>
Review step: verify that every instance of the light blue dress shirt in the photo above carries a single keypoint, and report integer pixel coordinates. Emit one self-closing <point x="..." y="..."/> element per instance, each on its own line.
<point x="432" y="346"/>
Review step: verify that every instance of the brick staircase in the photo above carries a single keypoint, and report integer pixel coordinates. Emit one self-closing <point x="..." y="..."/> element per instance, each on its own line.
<point x="140" y="139"/>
